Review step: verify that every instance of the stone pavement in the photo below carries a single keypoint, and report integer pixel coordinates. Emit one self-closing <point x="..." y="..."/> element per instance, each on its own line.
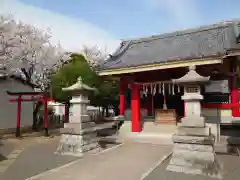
<point x="129" y="161"/>
<point x="230" y="164"/>
<point x="24" y="158"/>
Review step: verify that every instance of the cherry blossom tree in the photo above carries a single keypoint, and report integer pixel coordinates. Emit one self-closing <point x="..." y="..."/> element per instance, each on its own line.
<point x="26" y="52"/>
<point x="94" y="56"/>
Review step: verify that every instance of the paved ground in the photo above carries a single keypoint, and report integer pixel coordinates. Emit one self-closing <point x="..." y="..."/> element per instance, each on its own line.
<point x="230" y="164"/>
<point x="20" y="159"/>
<point x="24" y="158"/>
<point x="130" y="161"/>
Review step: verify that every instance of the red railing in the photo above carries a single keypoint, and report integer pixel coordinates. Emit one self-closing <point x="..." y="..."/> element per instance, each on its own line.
<point x="221" y="106"/>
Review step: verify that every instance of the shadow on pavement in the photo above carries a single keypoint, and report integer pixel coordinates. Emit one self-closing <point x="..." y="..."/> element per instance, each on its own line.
<point x="105" y="143"/>
<point x="2" y="158"/>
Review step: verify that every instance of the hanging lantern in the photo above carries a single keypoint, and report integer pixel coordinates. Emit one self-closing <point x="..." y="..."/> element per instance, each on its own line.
<point x="173" y="89"/>
<point x="163" y="89"/>
<point x="169" y="88"/>
<point x="178" y="89"/>
<point x="159" y="88"/>
<point x="151" y="88"/>
<point x="141" y="94"/>
<point x="146" y="90"/>
<point x="154" y="89"/>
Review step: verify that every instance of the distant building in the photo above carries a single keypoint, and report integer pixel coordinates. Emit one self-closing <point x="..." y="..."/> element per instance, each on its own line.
<point x="8" y="110"/>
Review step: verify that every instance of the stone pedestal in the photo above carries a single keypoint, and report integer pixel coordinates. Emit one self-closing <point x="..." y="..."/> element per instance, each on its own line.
<point x="193" y="151"/>
<point x="80" y="134"/>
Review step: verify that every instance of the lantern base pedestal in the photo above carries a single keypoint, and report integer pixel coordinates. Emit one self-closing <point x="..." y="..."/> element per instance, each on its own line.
<point x="78" y="139"/>
<point x="193" y="152"/>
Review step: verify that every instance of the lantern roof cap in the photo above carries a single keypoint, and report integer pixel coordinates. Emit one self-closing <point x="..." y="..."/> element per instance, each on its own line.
<point x="192" y="77"/>
<point x="79" y="86"/>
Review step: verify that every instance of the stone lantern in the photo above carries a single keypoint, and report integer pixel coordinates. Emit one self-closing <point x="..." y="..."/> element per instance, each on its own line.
<point x="193" y="150"/>
<point x="79" y="135"/>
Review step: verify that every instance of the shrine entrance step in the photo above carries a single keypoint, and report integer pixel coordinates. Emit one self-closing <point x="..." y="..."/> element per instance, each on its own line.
<point x="151" y="133"/>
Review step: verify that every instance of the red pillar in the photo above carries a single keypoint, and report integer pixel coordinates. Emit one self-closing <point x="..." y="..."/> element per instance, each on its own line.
<point x="45" y="120"/>
<point x="18" y="123"/>
<point x="121" y="98"/>
<point x="135" y="108"/>
<point x="234" y="99"/>
<point x="150" y="104"/>
<point x="234" y="89"/>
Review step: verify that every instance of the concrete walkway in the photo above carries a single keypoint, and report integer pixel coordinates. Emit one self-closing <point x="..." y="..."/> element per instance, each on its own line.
<point x="129" y="161"/>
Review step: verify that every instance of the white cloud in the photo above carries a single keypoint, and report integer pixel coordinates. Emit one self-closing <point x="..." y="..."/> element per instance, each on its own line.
<point x="71" y="33"/>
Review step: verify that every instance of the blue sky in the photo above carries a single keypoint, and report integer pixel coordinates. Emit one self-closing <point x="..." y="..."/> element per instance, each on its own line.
<point x="133" y="18"/>
<point x="122" y="19"/>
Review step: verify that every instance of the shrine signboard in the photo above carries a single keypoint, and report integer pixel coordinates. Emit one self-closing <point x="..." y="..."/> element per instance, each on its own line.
<point x="217" y="86"/>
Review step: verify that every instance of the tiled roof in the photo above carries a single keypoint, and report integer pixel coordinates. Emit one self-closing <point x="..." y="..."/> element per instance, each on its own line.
<point x="207" y="41"/>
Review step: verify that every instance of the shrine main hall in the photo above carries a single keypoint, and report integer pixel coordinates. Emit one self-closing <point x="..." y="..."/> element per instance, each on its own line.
<point x="146" y="67"/>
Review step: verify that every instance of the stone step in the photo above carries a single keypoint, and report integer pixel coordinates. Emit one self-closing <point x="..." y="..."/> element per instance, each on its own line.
<point x="226" y="149"/>
<point x="79" y="139"/>
<point x="76" y="149"/>
<point x="71" y="129"/>
<point x="206" y="140"/>
<point x="159" y="128"/>
<point x="150" y="127"/>
<point x="193" y="147"/>
<point x="193" y="122"/>
<point x="230" y="140"/>
<point x="193" y="155"/>
<point x="79" y="126"/>
<point x="75" y="118"/>
<point x="187" y="170"/>
<point x="196" y="163"/>
<point x="214" y="171"/>
<point x="189" y="131"/>
<point x="89" y="147"/>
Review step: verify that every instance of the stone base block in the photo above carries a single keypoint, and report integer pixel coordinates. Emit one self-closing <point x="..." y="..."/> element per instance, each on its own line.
<point x="213" y="170"/>
<point x="77" y="145"/>
<point x="194" y="156"/>
<point x="193" y="147"/>
<point x="194" y="159"/>
<point x="73" y="128"/>
<point x="79" y="118"/>
<point x="196" y="163"/>
<point x="204" y="140"/>
<point x="189" y="131"/>
<point x="77" y="127"/>
<point x="194" y="121"/>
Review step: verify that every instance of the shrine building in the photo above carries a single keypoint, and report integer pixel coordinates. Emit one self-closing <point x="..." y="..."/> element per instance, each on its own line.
<point x="146" y="67"/>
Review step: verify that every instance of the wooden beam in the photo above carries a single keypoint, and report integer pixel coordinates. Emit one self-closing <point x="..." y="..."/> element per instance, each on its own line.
<point x="169" y="65"/>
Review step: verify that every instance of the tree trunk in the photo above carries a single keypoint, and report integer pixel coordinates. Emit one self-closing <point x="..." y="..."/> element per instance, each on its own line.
<point x="35" y="112"/>
<point x="103" y="111"/>
<point x="107" y="111"/>
<point x="67" y="111"/>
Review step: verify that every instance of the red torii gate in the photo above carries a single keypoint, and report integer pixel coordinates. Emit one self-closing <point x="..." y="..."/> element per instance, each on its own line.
<point x="42" y="97"/>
